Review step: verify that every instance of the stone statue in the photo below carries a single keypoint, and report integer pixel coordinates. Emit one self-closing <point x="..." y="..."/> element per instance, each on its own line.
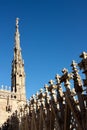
<point x="17" y="21"/>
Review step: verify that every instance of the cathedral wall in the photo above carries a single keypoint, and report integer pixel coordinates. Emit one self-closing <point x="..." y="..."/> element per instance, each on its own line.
<point x="8" y="105"/>
<point x="3" y="114"/>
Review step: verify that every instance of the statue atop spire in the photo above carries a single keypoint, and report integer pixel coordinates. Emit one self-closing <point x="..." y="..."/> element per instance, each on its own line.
<point x="17" y="22"/>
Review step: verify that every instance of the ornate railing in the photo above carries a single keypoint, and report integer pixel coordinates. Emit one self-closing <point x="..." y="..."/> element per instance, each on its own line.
<point x="61" y="105"/>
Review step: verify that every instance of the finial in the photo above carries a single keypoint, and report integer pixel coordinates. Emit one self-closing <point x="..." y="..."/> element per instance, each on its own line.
<point x="83" y="55"/>
<point x="41" y="90"/>
<point x="46" y="86"/>
<point x="51" y="82"/>
<point x="74" y="64"/>
<point x="64" y="71"/>
<point x="57" y="77"/>
<point x="17" y="22"/>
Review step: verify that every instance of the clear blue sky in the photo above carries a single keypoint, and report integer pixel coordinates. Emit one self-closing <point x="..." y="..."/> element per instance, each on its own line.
<point x="53" y="33"/>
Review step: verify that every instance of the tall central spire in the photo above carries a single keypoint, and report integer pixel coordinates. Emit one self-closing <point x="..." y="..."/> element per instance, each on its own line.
<point x="18" y="73"/>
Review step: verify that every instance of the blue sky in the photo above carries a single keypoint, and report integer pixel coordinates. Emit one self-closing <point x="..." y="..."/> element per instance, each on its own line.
<point x="52" y="32"/>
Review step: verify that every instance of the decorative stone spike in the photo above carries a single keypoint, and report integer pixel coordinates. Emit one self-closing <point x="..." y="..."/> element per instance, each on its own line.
<point x="57" y="77"/>
<point x="53" y="94"/>
<point x="64" y="71"/>
<point x="46" y="87"/>
<point x="37" y="94"/>
<point x="76" y="77"/>
<point x="83" y="55"/>
<point x="78" y="87"/>
<point x="41" y="90"/>
<point x="83" y="66"/>
<point x="74" y="64"/>
<point x="51" y="82"/>
<point x="30" y="98"/>
<point x="61" y="92"/>
<point x="33" y="96"/>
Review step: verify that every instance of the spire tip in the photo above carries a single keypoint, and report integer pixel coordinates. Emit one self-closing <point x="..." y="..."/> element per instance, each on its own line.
<point x="17" y="22"/>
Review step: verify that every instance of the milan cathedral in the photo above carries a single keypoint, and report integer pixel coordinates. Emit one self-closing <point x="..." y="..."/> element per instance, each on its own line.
<point x="60" y="105"/>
